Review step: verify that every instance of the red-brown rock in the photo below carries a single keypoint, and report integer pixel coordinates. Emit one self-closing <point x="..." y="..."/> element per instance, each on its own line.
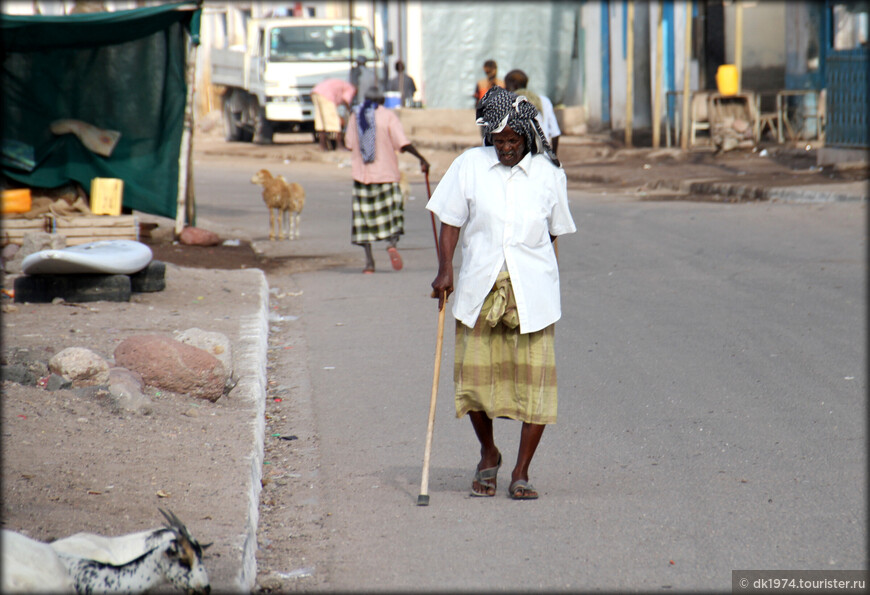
<point x="173" y="366"/>
<point x="195" y="236"/>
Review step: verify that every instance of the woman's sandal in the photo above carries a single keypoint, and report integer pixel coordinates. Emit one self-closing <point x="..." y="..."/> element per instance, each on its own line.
<point x="395" y="258"/>
<point x="483" y="477"/>
<point x="522" y="490"/>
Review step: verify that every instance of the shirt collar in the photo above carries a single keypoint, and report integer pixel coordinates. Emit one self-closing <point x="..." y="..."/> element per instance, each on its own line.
<point x="524" y="164"/>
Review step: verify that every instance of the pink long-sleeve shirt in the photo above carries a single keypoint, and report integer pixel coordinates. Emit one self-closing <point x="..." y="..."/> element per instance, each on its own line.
<point x="389" y="138"/>
<point x="335" y="90"/>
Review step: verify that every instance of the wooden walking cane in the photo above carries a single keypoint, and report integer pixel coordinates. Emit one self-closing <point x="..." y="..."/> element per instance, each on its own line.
<point x="423" y="498"/>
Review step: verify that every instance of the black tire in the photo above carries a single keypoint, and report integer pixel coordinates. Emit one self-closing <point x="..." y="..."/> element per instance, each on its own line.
<point x="263" y="131"/>
<point x="151" y="278"/>
<point x="41" y="289"/>
<point x="232" y="126"/>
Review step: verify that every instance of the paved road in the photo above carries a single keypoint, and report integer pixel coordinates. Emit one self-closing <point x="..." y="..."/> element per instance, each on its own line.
<point x="712" y="373"/>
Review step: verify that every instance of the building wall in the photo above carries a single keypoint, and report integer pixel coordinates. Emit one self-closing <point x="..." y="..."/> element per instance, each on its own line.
<point x="457" y="38"/>
<point x="764" y="49"/>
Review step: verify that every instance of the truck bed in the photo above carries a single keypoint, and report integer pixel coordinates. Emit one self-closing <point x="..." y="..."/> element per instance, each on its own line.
<point x="228" y="67"/>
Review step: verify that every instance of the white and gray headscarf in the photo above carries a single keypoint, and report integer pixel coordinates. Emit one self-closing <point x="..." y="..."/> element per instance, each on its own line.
<point x="499" y="108"/>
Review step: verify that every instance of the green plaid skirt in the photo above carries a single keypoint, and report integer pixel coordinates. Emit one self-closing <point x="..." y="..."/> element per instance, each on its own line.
<point x="501" y="372"/>
<point x="378" y="212"/>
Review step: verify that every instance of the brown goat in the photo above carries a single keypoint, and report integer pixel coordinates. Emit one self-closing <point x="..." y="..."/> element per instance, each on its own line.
<point x="285" y="201"/>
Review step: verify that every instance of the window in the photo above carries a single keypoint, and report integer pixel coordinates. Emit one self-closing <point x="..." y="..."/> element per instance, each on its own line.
<point x="321" y="43"/>
<point x="850" y="25"/>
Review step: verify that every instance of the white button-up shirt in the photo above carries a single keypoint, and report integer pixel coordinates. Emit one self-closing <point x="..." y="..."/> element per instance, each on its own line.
<point x="509" y="214"/>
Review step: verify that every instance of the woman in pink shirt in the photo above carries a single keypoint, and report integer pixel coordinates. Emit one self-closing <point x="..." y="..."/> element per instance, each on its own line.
<point x="375" y="135"/>
<point x="326" y="96"/>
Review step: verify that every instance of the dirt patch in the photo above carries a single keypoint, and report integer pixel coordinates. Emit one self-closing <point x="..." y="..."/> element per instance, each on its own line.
<point x="241" y="256"/>
<point x="72" y="463"/>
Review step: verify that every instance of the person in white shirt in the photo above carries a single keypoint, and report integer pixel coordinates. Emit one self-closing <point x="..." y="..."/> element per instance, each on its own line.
<point x="510" y="196"/>
<point x="518" y="82"/>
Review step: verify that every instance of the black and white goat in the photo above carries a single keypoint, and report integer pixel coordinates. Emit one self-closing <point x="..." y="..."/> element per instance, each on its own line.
<point x="31" y="566"/>
<point x="131" y="563"/>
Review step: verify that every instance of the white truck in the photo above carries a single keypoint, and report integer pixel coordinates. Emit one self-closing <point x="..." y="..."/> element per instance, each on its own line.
<point x="268" y="81"/>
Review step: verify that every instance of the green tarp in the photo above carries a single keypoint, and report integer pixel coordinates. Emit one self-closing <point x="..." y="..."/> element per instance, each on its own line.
<point x="121" y="71"/>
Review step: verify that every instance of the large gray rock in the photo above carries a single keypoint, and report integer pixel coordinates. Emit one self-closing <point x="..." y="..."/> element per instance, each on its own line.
<point x="173" y="366"/>
<point x="81" y="366"/>
<point x="24" y="367"/>
<point x="216" y="344"/>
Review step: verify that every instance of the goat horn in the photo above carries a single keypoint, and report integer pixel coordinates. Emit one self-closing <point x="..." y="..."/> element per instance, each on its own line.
<point x="177" y="526"/>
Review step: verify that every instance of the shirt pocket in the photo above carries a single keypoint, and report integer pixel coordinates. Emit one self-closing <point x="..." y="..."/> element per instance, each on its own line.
<point x="534" y="226"/>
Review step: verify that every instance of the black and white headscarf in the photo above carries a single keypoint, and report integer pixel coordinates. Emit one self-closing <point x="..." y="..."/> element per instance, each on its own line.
<point x="499" y="108"/>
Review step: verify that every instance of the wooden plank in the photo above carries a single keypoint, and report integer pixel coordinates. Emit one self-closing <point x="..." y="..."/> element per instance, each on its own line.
<point x="97" y="231"/>
<point x="95" y="221"/>
<point x="28" y="224"/>
<point x="77" y="230"/>
<point x="12" y="231"/>
<point x="75" y="241"/>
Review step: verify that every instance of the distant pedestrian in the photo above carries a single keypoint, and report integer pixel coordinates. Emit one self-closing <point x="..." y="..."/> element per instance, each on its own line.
<point x="403" y="83"/>
<point x="490" y="68"/>
<point x="327" y="96"/>
<point x="517" y="82"/>
<point x="510" y="197"/>
<point x="374" y="135"/>
<point x="363" y="78"/>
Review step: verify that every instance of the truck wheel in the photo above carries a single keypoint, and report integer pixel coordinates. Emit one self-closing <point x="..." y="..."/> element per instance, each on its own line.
<point x="262" y="128"/>
<point x="232" y="128"/>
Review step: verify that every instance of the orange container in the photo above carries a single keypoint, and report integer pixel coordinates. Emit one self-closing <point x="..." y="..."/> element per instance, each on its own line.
<point x="16" y="200"/>
<point x="726" y="79"/>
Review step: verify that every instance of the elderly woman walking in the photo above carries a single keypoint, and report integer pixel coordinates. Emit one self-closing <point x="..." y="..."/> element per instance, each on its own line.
<point x="375" y="135"/>
<point x="510" y="195"/>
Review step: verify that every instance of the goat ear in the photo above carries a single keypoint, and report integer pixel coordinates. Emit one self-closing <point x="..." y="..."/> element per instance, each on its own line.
<point x="205" y="546"/>
<point x="172" y="550"/>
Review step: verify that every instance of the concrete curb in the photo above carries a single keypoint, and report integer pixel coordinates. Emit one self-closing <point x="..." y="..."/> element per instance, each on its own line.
<point x="251" y="355"/>
<point x="818" y="194"/>
<point x="850" y="192"/>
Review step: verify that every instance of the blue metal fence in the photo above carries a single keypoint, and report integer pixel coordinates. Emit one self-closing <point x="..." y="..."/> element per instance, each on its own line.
<point x="846" y="82"/>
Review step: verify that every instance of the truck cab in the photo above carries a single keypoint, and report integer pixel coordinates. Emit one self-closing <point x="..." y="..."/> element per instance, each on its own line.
<point x="268" y="82"/>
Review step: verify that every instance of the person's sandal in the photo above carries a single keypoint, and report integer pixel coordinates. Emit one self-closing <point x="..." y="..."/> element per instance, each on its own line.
<point x="483" y="477"/>
<point x="395" y="258"/>
<point x="522" y="490"/>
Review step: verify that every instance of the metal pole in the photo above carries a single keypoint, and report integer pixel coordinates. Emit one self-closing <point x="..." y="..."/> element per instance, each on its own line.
<point x="629" y="72"/>
<point x="350" y="37"/>
<point x="738" y="43"/>
<point x="687" y="58"/>
<point x="657" y="97"/>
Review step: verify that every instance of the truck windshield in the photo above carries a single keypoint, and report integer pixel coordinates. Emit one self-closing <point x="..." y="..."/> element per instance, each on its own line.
<point x="320" y="43"/>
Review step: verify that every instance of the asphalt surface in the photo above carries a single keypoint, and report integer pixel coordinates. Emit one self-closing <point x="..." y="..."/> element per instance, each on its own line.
<point x="712" y="365"/>
<point x="711" y="361"/>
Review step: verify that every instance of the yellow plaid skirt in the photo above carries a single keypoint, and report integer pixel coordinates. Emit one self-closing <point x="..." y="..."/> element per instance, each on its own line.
<point x="501" y="372"/>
